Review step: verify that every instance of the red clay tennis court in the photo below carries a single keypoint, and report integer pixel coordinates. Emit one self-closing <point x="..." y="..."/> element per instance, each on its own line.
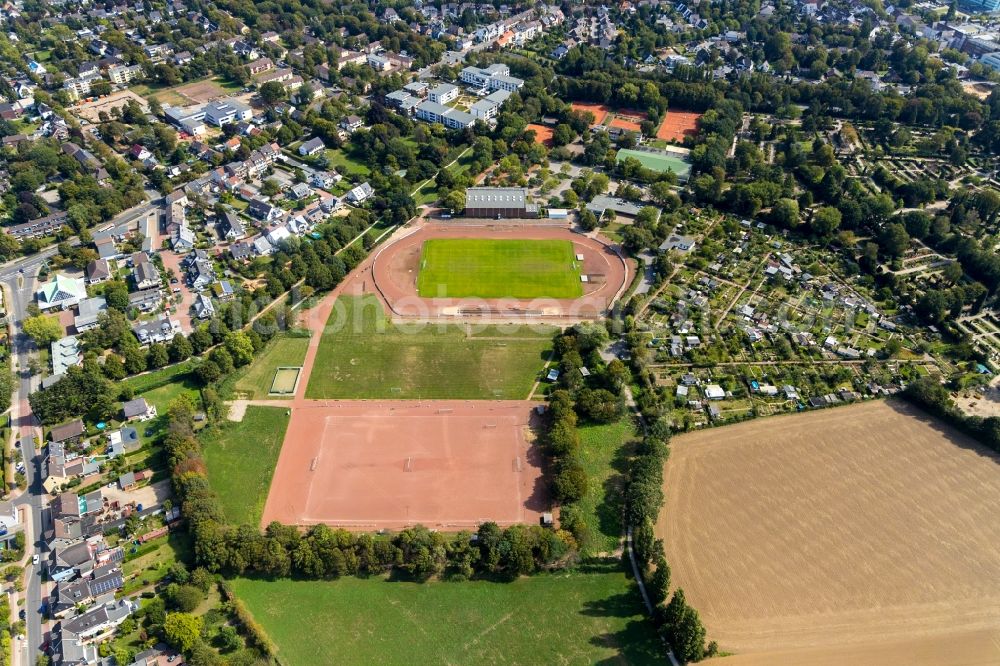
<point x="447" y="465"/>
<point x="599" y="111"/>
<point x="678" y="124"/>
<point x="627" y="125"/>
<point x="543" y="134"/>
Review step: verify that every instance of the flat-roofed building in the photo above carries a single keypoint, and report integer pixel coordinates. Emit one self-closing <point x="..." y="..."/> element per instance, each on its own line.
<point x="499" y="202"/>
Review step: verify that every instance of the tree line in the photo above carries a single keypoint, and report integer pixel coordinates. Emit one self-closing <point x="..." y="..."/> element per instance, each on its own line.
<point x="679" y="623"/>
<point x="929" y="394"/>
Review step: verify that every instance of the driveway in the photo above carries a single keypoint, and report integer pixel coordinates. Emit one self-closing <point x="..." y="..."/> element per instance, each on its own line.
<point x="172" y="260"/>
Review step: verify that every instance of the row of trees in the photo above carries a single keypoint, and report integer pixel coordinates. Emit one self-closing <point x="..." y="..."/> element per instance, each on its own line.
<point x="929" y="394"/>
<point x="679" y="622"/>
<point x="596" y="398"/>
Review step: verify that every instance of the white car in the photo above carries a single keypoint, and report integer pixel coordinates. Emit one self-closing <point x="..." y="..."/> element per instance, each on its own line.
<point x="34" y="559"/>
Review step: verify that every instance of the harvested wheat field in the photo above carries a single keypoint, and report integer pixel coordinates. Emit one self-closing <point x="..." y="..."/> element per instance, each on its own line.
<point x="868" y="534"/>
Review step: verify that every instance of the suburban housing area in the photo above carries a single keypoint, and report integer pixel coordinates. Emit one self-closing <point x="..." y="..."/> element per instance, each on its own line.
<point x="510" y="332"/>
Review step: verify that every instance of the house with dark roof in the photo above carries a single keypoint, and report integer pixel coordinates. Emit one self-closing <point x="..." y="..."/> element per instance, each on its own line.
<point x="101" y="619"/>
<point x="231" y="226"/>
<point x="158" y="330"/>
<point x="68" y="433"/>
<point x="145" y="274"/>
<point x="145" y="300"/>
<point x="203" y="308"/>
<point x="311" y="147"/>
<point x="69" y="595"/>
<point x="200" y="274"/>
<point x="98" y="270"/>
<point x="71" y="561"/>
<point x="139" y="409"/>
<point x="241" y="251"/>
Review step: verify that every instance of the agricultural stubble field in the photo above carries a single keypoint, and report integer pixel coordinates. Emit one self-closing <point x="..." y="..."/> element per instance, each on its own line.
<point x="496" y="268"/>
<point x="865" y="530"/>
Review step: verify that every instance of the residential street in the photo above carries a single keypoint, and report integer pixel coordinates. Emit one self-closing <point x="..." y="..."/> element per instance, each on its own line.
<point x="19" y="280"/>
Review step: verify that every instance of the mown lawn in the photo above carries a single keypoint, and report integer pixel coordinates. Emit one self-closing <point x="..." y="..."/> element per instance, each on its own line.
<point x="602" y="453"/>
<point x="185" y="384"/>
<point x="347" y="164"/>
<point x="567" y="618"/>
<point x="241" y="457"/>
<point x="498" y="268"/>
<point x="364" y="355"/>
<point x="282" y="351"/>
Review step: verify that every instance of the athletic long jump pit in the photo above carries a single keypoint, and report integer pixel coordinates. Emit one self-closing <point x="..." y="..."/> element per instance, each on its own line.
<point x="369" y="465"/>
<point x="605" y="274"/>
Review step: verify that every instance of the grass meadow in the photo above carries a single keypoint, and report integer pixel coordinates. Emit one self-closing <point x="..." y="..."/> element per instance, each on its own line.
<point x="589" y="616"/>
<point x="603" y="455"/>
<point x="498" y="268"/>
<point x="371" y="357"/>
<point x="241" y="456"/>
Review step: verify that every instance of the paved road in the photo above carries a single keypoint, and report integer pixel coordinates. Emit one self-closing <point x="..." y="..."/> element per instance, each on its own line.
<point x="20" y="290"/>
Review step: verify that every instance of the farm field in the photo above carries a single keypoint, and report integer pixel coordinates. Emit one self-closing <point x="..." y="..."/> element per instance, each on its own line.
<point x="495" y="268"/>
<point x="241" y="457"/>
<point x="567" y="618"/>
<point x="284" y="351"/>
<point x="868" y="529"/>
<point x="364" y="355"/>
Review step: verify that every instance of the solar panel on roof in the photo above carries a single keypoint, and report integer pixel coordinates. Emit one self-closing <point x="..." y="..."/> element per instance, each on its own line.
<point x="99" y="587"/>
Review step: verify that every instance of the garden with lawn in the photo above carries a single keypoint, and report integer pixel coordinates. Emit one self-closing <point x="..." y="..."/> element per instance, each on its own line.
<point x="498" y="268"/>
<point x="588" y="616"/>
<point x="371" y="357"/>
<point x="241" y="456"/>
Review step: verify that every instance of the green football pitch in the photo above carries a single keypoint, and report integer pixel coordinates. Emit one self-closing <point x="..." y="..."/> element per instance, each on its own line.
<point x="491" y="268"/>
<point x="657" y="161"/>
